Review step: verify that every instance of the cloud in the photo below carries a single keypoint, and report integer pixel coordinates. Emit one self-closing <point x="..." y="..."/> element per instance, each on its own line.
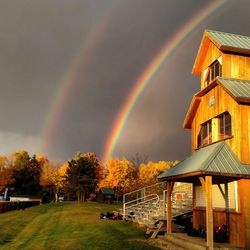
<point x="12" y="142"/>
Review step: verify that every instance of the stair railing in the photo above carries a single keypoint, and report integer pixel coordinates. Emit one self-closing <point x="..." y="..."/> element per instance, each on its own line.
<point x="140" y="196"/>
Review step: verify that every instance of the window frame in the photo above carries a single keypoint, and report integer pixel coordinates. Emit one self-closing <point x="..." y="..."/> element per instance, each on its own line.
<point x="225" y="125"/>
<point x="213" y="72"/>
<point x="205" y="134"/>
<point x="224" y="130"/>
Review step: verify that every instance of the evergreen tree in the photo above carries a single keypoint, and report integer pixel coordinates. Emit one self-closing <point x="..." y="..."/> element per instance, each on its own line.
<point x="26" y="174"/>
<point x="80" y="177"/>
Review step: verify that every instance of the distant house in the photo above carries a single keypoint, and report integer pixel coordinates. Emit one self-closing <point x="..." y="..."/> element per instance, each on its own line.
<point x="219" y="119"/>
<point x="106" y="195"/>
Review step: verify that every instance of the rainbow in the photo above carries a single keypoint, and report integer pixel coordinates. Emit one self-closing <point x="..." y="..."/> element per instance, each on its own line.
<point x="70" y="77"/>
<point x="149" y="73"/>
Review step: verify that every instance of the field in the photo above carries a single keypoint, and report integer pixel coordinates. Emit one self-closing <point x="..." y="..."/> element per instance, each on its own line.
<point x="68" y="226"/>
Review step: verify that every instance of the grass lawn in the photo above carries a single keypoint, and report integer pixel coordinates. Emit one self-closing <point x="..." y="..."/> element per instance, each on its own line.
<point x="68" y="226"/>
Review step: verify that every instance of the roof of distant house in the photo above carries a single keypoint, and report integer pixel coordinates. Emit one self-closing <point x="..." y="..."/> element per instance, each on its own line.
<point x="108" y="191"/>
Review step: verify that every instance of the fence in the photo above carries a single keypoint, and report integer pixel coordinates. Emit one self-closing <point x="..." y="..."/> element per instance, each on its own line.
<point x="6" y="206"/>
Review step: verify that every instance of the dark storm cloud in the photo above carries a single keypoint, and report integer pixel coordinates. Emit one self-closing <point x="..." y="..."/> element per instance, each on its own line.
<point x="39" y="41"/>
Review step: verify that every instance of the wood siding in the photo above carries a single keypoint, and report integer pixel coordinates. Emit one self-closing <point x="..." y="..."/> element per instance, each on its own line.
<point x="212" y="54"/>
<point x="240" y="115"/>
<point x="244" y="188"/>
<point x="236" y="66"/>
<point x="236" y="224"/>
<point x="233" y="65"/>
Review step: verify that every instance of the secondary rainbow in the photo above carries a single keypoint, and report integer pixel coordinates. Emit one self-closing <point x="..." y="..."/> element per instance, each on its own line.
<point x="71" y="76"/>
<point x="148" y="74"/>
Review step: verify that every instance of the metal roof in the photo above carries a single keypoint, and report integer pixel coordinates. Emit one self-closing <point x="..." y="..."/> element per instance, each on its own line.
<point x="225" y="42"/>
<point x="213" y="159"/>
<point x="238" y="88"/>
<point x="230" y="40"/>
<point x="108" y="191"/>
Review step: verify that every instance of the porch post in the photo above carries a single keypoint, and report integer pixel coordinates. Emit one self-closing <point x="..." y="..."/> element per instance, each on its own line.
<point x="170" y="186"/>
<point x="207" y="186"/>
<point x="209" y="212"/>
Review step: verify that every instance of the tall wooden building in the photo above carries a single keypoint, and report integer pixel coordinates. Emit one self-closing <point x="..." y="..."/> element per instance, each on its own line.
<point x="219" y="119"/>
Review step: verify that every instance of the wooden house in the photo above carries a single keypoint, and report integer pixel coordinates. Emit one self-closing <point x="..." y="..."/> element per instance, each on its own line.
<point x="106" y="195"/>
<point x="219" y="120"/>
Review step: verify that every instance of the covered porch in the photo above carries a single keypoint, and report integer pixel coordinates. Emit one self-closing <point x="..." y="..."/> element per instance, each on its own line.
<point x="209" y="167"/>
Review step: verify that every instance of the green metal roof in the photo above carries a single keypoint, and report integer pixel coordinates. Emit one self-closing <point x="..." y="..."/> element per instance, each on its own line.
<point x="108" y="191"/>
<point x="229" y="40"/>
<point x="238" y="88"/>
<point x="213" y="159"/>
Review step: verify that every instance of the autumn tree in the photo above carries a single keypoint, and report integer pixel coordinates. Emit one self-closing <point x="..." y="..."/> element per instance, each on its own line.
<point x="148" y="172"/>
<point x="49" y="178"/>
<point x="80" y="177"/>
<point x="121" y="176"/>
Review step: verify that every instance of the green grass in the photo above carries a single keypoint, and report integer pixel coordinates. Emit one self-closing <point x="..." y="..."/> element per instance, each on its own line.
<point x="68" y="226"/>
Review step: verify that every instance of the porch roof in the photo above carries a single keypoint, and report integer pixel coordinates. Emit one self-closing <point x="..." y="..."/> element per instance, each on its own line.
<point x="216" y="159"/>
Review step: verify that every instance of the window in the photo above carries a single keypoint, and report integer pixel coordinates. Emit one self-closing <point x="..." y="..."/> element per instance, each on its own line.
<point x="205" y="135"/>
<point x="221" y="129"/>
<point x="213" y="71"/>
<point x="225" y="129"/>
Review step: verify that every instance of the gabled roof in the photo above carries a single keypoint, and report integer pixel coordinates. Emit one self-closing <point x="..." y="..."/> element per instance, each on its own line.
<point x="230" y="42"/>
<point x="108" y="191"/>
<point x="226" y="42"/>
<point x="215" y="159"/>
<point x="238" y="89"/>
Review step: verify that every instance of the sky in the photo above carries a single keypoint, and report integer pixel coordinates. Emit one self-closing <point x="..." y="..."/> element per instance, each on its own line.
<point x="68" y="67"/>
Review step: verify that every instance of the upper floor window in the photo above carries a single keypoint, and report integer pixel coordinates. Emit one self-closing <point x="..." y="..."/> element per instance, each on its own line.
<point x="225" y="129"/>
<point x="213" y="70"/>
<point x="205" y="134"/>
<point x="216" y="129"/>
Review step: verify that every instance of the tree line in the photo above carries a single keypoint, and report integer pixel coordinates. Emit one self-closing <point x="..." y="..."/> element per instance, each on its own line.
<point x="76" y="179"/>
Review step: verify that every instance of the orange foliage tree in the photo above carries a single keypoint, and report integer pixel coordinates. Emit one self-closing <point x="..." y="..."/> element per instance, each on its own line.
<point x="148" y="172"/>
<point x="121" y="176"/>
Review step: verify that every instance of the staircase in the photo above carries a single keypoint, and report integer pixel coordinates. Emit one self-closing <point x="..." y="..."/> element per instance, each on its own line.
<point x="143" y="205"/>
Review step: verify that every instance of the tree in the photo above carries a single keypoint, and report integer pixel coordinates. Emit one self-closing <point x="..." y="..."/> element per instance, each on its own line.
<point x="148" y="172"/>
<point x="121" y="176"/>
<point x="6" y="178"/>
<point x="99" y="168"/>
<point x="49" y="178"/>
<point x="26" y="174"/>
<point x="80" y="177"/>
<point x="139" y="159"/>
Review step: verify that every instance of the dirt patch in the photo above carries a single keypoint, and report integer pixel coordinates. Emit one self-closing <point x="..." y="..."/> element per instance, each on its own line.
<point x="161" y="243"/>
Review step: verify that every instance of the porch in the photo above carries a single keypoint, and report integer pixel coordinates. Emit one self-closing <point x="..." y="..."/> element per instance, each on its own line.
<point x="213" y="165"/>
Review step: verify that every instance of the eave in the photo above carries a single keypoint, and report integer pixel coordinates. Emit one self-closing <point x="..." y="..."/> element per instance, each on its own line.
<point x="206" y="40"/>
<point x="197" y="99"/>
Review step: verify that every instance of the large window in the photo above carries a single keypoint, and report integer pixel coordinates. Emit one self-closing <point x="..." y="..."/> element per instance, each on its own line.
<point x="225" y="129"/>
<point x="220" y="130"/>
<point x="213" y="71"/>
<point x="205" y="135"/>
